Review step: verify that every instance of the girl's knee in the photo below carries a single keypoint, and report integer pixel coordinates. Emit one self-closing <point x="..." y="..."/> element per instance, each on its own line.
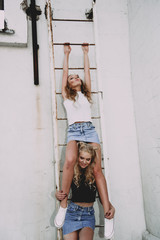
<point x="70" y="161"/>
<point x="97" y="171"/>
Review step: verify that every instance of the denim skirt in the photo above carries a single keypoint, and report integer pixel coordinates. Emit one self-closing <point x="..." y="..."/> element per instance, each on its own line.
<point x="77" y="218"/>
<point x="83" y="132"/>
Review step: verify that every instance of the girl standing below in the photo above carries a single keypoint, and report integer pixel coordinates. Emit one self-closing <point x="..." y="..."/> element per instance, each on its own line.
<point x="77" y="102"/>
<point x="80" y="220"/>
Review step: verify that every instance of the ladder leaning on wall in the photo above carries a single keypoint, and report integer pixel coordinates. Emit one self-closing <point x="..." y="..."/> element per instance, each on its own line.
<point x="68" y="22"/>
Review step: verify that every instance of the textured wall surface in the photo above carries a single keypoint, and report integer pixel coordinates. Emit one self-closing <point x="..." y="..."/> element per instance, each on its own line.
<point x="26" y="153"/>
<point x="124" y="171"/>
<point x="144" y="22"/>
<point x="26" y="141"/>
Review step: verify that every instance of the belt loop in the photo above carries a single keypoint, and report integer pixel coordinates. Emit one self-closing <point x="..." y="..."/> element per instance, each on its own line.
<point x="81" y="128"/>
<point x="90" y="209"/>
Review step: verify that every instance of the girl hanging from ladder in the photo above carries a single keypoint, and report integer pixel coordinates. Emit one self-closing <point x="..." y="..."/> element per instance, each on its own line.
<point x="77" y="102"/>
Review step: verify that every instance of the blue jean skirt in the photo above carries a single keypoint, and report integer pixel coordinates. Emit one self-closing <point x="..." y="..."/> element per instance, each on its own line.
<point x="77" y="218"/>
<point x="83" y="132"/>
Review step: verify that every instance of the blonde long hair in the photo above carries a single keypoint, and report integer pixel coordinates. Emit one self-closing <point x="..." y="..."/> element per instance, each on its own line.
<point x="88" y="172"/>
<point x="71" y="93"/>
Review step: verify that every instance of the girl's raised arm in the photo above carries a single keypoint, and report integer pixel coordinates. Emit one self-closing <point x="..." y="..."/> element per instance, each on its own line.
<point x="67" y="50"/>
<point x="87" y="77"/>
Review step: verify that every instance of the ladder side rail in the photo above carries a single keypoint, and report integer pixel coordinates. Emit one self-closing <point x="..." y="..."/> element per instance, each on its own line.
<point x="54" y="103"/>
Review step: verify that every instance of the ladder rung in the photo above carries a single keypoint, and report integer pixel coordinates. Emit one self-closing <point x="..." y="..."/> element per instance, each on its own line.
<point x="71" y="20"/>
<point x="97" y="226"/>
<point x="75" y="44"/>
<point x="74" y="68"/>
<point x="64" y="145"/>
<point x="66" y="118"/>
<point x="58" y="93"/>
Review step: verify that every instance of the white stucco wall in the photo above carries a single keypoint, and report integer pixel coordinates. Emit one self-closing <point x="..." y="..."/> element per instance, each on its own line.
<point x="144" y="21"/>
<point x="26" y="152"/>
<point x="26" y="142"/>
<point x="124" y="170"/>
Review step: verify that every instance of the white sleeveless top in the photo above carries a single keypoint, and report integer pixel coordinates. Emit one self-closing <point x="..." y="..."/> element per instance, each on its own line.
<point x="78" y="111"/>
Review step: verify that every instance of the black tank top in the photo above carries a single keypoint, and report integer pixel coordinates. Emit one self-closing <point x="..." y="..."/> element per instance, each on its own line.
<point x="83" y="193"/>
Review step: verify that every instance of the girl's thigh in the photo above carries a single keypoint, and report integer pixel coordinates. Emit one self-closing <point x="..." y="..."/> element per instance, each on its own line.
<point x="71" y="150"/>
<point x="98" y="156"/>
<point x="71" y="236"/>
<point x="86" y="233"/>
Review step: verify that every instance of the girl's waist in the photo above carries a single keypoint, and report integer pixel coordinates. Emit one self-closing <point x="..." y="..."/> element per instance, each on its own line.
<point x="80" y="124"/>
<point x="73" y="206"/>
<point x="84" y="204"/>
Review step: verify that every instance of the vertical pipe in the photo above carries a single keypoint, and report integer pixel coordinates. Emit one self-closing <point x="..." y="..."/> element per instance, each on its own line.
<point x="34" y="43"/>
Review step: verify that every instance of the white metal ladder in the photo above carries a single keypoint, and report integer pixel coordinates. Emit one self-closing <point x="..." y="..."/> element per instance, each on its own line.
<point x="68" y="23"/>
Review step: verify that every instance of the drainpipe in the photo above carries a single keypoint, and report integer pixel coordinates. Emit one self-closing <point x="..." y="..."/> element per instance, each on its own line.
<point x="33" y="11"/>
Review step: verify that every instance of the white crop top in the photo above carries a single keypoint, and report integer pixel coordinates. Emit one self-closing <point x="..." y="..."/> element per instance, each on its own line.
<point x="78" y="111"/>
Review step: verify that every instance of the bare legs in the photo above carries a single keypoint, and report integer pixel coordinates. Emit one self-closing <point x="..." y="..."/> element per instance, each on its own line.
<point x="100" y="180"/>
<point x="71" y="157"/>
<point x="71" y="236"/>
<point x="85" y="233"/>
<point x="68" y="169"/>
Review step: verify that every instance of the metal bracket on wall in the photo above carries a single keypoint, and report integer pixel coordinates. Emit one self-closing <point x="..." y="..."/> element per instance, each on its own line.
<point x="33" y="11"/>
<point x="4" y="23"/>
<point x="89" y="13"/>
<point x="6" y="30"/>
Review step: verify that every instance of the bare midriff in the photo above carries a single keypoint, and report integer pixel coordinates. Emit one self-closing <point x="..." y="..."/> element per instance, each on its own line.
<point x="83" y="204"/>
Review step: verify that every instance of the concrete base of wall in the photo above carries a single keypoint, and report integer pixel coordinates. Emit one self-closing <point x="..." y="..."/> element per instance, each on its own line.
<point x="148" y="236"/>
